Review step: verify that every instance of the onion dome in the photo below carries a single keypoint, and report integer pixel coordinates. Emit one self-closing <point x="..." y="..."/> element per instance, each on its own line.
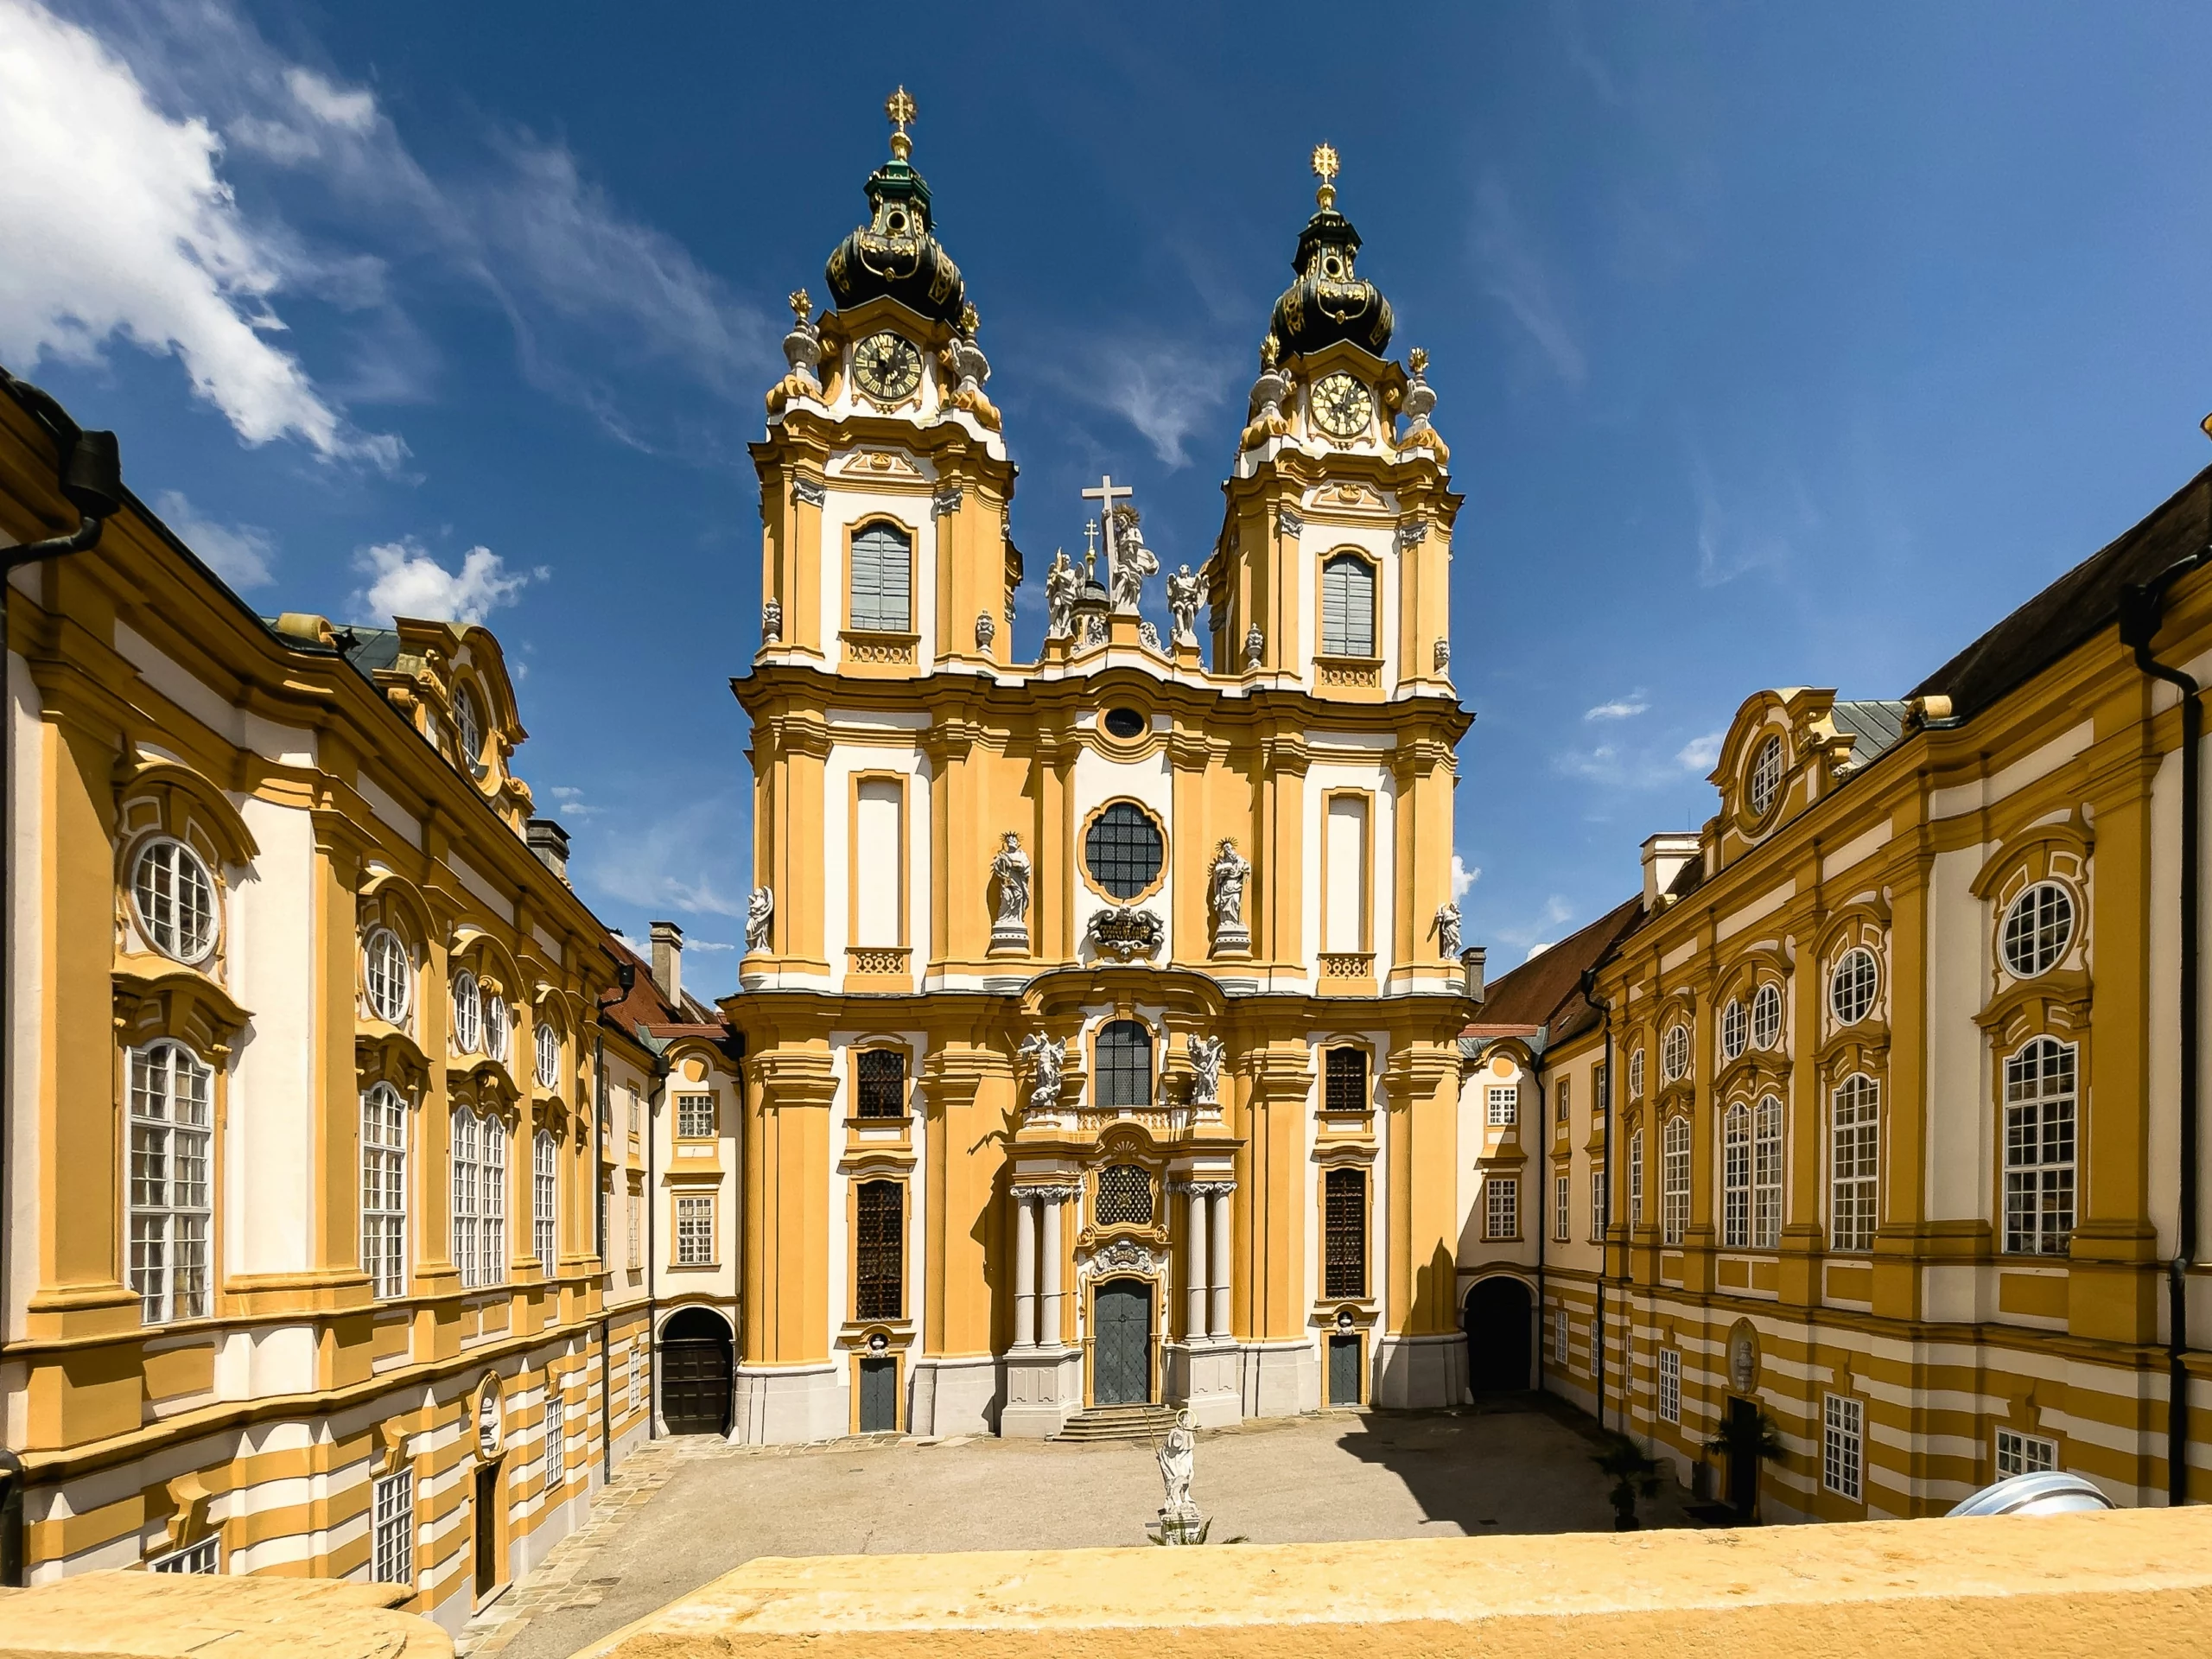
<point x="1329" y="301"/>
<point x="894" y="256"/>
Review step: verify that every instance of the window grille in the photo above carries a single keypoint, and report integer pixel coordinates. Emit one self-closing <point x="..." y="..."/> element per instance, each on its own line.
<point x="1124" y="1064"/>
<point x="1348" y="606"/>
<point x="1735" y="1029"/>
<point x="1674" y="1054"/>
<point x="393" y="1507"/>
<point x="384" y="1191"/>
<point x="1736" y="1178"/>
<point x="694" y="1232"/>
<point x="544" y="1191"/>
<point x="1345" y="1271"/>
<point x="1766" y="776"/>
<point x="1766" y="1015"/>
<point x="879" y="1267"/>
<point x="1559" y="1207"/>
<point x="1504" y="1103"/>
<point x="2023" y="1454"/>
<point x="175" y="900"/>
<point x="1851" y="988"/>
<point x="387" y="977"/>
<point x="205" y="1556"/>
<point x="1124" y="1196"/>
<point x="549" y="1055"/>
<point x="882" y="1082"/>
<point x="1842" y="1445"/>
<point x="1597" y="1205"/>
<point x="2039" y="1099"/>
<point x="1502" y="1207"/>
<point x="1123" y="850"/>
<point x="1636" y="1074"/>
<point x="467" y="1014"/>
<point x="1344" y="1080"/>
<point x="2038" y="927"/>
<point x="1636" y="1180"/>
<point x="556" y="1441"/>
<point x="171" y="1147"/>
<point x="1670" y="1385"/>
<point x="1675" y="1180"/>
<point x="695" y="1116"/>
<point x="496" y="1026"/>
<point x="465" y="1218"/>
<point x="882" y="579"/>
<point x="1766" y="1175"/>
<point x="1854" y="1152"/>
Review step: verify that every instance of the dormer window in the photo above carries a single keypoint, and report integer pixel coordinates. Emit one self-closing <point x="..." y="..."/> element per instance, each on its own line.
<point x="1765" y="779"/>
<point x="469" y="730"/>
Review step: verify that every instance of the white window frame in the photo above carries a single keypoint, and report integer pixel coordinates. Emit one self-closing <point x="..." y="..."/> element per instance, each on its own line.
<point x="1503" y="1105"/>
<point x="2038" y="930"/>
<point x="469" y="730"/>
<point x="175" y="899"/>
<point x="498" y="1027"/>
<point x="2042" y="1080"/>
<point x="1502" y="1207"/>
<point x="1636" y="1072"/>
<point x="1854" y="1164"/>
<point x="169" y="1188"/>
<point x="1597" y="1204"/>
<point x="1561" y="1196"/>
<point x="1674" y="1054"/>
<point x="695" y="1230"/>
<point x="1766" y="1015"/>
<point x="392" y="1526"/>
<point x="205" y="1557"/>
<point x="492" y="1202"/>
<point x="545" y="1201"/>
<point x="2019" y="1454"/>
<point x="548" y="1042"/>
<point x="1766" y="1173"/>
<point x="1735" y="1029"/>
<point x="384" y="1190"/>
<point x="1854" y="985"/>
<point x="467" y="1014"/>
<point x="1764" y="782"/>
<point x="1561" y="1335"/>
<point x="387" y="975"/>
<point x="1736" y="1178"/>
<point x="690" y="1107"/>
<point x="461" y="1154"/>
<point x="635" y="1204"/>
<point x="1670" y="1385"/>
<point x="1675" y="1179"/>
<point x="637" y="1379"/>
<point x="1635" y="1177"/>
<point x="556" y="1455"/>
<point x="1843" y="1446"/>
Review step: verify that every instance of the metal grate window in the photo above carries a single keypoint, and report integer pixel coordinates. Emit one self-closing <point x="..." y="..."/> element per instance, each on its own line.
<point x="384" y="1191"/>
<point x="1675" y="1180"/>
<point x="694" y="1232"/>
<point x="882" y="579"/>
<point x="2023" y="1454"/>
<point x="1344" y="1270"/>
<point x="1124" y="1196"/>
<point x="2039" y="1100"/>
<point x="1503" y="1104"/>
<point x="880" y="1287"/>
<point x="1124" y="1064"/>
<point x="205" y="1556"/>
<point x="1502" y="1207"/>
<point x="1124" y="849"/>
<point x="1348" y="606"/>
<point x="1842" y="1445"/>
<point x="1736" y="1178"/>
<point x="393" y="1519"/>
<point x="1766" y="1175"/>
<point x="882" y="1082"/>
<point x="2037" y="929"/>
<point x="544" y="1189"/>
<point x="171" y="1146"/>
<point x="1670" y="1385"/>
<point x="1345" y="1080"/>
<point x="1855" y="1153"/>
<point x="695" y="1117"/>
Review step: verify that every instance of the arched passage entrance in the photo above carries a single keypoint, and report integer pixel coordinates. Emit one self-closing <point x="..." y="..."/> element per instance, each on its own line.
<point x="1498" y="1319"/>
<point x="696" y="1360"/>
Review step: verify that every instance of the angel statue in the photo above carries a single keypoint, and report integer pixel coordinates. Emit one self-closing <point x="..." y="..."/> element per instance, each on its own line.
<point x="1205" y="1055"/>
<point x="1448" y="929"/>
<point x="1179" y="1459"/>
<point x="1063" y="582"/>
<point x="1225" y="887"/>
<point x="1184" y="592"/>
<point x="760" y="911"/>
<point x="1049" y="1055"/>
<point x="1011" y="868"/>
<point x="1133" y="560"/>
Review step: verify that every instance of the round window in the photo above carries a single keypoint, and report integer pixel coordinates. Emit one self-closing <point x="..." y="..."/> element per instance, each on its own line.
<point x="1766" y="776"/>
<point x="387" y="976"/>
<point x="1124" y="723"/>
<point x="1674" y="1053"/>
<point x="549" y="1055"/>
<point x="1766" y="1015"/>
<point x="1124" y="850"/>
<point x="1733" y="1029"/>
<point x="495" y="1026"/>
<point x="467" y="1014"/>
<point x="1851" y="988"/>
<point x="2037" y="929"/>
<point x="1635" y="1075"/>
<point x="175" y="896"/>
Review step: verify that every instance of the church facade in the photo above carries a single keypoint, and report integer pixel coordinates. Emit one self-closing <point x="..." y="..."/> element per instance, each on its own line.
<point x="1100" y="1012"/>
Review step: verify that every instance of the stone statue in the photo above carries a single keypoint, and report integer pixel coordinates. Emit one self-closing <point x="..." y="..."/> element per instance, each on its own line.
<point x="1063" y="582"/>
<point x="772" y="620"/>
<point x="1448" y="929"/>
<point x="1132" y="561"/>
<point x="1179" y="1522"/>
<point x="1049" y="1056"/>
<point x="1184" y="593"/>
<point x="1225" y="885"/>
<point x="1011" y="870"/>
<point x="1205" y="1055"/>
<point x="760" y="911"/>
<point x="1256" y="647"/>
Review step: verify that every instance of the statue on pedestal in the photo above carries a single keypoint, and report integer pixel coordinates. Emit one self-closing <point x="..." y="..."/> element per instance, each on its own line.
<point x="1184" y="593"/>
<point x="1225" y="895"/>
<point x="1063" y="582"/>
<point x="1205" y="1056"/>
<point x="1048" y="1056"/>
<point x="760" y="912"/>
<point x="1133" y="560"/>
<point x="1010" y="869"/>
<point x="1448" y="929"/>
<point x="1179" y="1520"/>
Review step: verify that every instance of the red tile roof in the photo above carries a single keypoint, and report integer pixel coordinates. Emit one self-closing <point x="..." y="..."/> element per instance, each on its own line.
<point x="1547" y="990"/>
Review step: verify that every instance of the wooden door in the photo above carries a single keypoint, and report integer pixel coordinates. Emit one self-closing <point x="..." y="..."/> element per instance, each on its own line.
<point x="1121" y="1353"/>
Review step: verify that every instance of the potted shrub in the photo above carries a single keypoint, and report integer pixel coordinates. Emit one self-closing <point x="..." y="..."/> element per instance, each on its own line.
<point x="1634" y="1476"/>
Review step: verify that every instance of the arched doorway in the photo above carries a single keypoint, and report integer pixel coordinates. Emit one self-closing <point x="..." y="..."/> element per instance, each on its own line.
<point x="695" y="1364"/>
<point x="1497" y="1316"/>
<point x="1121" y="1360"/>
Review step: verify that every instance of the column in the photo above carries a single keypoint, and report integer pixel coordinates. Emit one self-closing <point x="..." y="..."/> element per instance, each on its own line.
<point x="1195" y="1265"/>
<point x="1049" y="1333"/>
<point x="1218" y="1325"/>
<point x="1025" y="1271"/>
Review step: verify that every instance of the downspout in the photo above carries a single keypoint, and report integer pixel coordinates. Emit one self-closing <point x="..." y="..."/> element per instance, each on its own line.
<point x="1604" y="1233"/>
<point x="1541" y="1208"/>
<point x="2141" y="607"/>
<point x="89" y="471"/>
<point x="605" y="1273"/>
<point x="658" y="1047"/>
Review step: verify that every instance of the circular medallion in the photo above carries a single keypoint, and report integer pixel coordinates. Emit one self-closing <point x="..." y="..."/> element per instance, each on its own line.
<point x="886" y="367"/>
<point x="1342" y="406"/>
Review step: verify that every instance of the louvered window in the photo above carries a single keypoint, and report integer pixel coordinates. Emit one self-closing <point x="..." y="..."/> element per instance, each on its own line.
<point x="1348" y="606"/>
<point x="1345" y="1273"/>
<point x="881" y="1259"/>
<point x="882" y="579"/>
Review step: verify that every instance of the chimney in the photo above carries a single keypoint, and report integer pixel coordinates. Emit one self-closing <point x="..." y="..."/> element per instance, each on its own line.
<point x="1472" y="960"/>
<point x="1663" y="858"/>
<point x="668" y="962"/>
<point x="550" y="843"/>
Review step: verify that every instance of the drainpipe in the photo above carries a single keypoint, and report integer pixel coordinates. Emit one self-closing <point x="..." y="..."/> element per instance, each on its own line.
<point x="89" y="472"/>
<point x="658" y="1046"/>
<point x="605" y="1274"/>
<point x="2141" y="607"/>
<point x="1541" y="1208"/>
<point x="1604" y="1233"/>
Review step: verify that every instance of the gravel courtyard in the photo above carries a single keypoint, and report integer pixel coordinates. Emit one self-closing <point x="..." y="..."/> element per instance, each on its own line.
<point x="1321" y="1478"/>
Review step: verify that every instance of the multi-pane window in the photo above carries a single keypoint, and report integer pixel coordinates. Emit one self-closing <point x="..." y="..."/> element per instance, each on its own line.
<point x="1766" y="1015"/>
<point x="879" y="1261"/>
<point x="882" y="578"/>
<point x="492" y="1197"/>
<point x="1505" y="1102"/>
<point x="545" y="1188"/>
<point x="1344" y="1233"/>
<point x="171" y="1147"/>
<point x="1558" y="1336"/>
<point x="1636" y="1074"/>
<point x="1766" y="776"/>
<point x="1636" y="1180"/>
<point x="205" y="1556"/>
<point x="1124" y="1064"/>
<point x="1735" y="1029"/>
<point x="1559" y="1207"/>
<point x="1854" y="1157"/>
<point x="1670" y="1385"/>
<point x="2039" y="1096"/>
<point x="393" y="1518"/>
<point x="1124" y="1196"/>
<point x="1123" y="850"/>
<point x="694" y="1232"/>
<point x="465" y="1174"/>
<point x="1736" y="1178"/>
<point x="556" y="1441"/>
<point x="1675" y="1180"/>
<point x="1502" y="1207"/>
<point x="1766" y="1174"/>
<point x="1851" y="988"/>
<point x="2037" y="929"/>
<point x="2023" y="1454"/>
<point x="1564" y="1090"/>
<point x="175" y="896"/>
<point x="387" y="977"/>
<point x="1344" y="1080"/>
<point x="1598" y="1204"/>
<point x="1674" y="1054"/>
<point x="467" y="1014"/>
<point x="1601" y="1078"/>
<point x="469" y="730"/>
<point x="479" y="1202"/>
<point x="636" y="1208"/>
<point x="497" y="1025"/>
<point x="695" y="1116"/>
<point x="549" y="1055"/>
<point x="1348" y="606"/>
<point x="384" y="1190"/>
<point x="634" y="1383"/>
<point x="882" y="1082"/>
<point x="1843" y="1424"/>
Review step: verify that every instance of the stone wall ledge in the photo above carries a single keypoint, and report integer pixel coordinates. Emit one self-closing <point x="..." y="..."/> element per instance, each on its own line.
<point x="191" y="1616"/>
<point x="2136" y="1582"/>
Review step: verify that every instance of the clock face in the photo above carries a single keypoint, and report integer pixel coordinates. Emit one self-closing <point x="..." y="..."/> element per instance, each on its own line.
<point x="1342" y="406"/>
<point x="887" y="367"/>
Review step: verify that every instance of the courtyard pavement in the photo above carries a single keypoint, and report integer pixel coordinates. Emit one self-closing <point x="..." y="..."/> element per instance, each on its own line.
<point x="681" y="1512"/>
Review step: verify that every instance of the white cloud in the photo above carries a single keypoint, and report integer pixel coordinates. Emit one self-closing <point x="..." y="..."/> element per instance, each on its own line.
<point x="124" y="228"/>
<point x="1535" y="951"/>
<point x="353" y="111"/>
<point x="1619" y="708"/>
<point x="405" y="580"/>
<point x="686" y="858"/>
<point x="1619" y="767"/>
<point x="1514" y="275"/>
<point x="690" y="945"/>
<point x="1166" y="391"/>
<point x="1701" y="753"/>
<point x="1555" y="910"/>
<point x="1463" y="877"/>
<point x="239" y="554"/>
<point x="570" y="802"/>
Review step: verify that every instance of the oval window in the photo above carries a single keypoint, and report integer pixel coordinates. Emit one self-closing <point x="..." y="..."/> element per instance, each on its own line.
<point x="1766" y="1015"/>
<point x="1766" y="776"/>
<point x="175" y="900"/>
<point x="2037" y="929"/>
<point x="1124" y="850"/>
<point x="1124" y="723"/>
<point x="1733" y="1029"/>
<point x="1851" y="988"/>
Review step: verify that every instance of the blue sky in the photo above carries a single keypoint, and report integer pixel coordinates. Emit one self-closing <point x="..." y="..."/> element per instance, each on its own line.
<point x="1777" y="344"/>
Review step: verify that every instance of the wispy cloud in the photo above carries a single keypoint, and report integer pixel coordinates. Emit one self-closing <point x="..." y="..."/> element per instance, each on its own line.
<point x="1166" y="390"/>
<point x="1619" y="708"/>
<point x="1753" y="530"/>
<point x="1463" y="876"/>
<point x="1620" y="765"/>
<point x="406" y="580"/>
<point x="571" y="802"/>
<point x="1701" y="753"/>
<point x="685" y="860"/>
<point x="1515" y="273"/>
<point x="1541" y="927"/>
<point x="239" y="554"/>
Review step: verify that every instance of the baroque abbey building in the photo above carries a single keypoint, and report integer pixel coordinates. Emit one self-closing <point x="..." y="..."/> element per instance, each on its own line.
<point x="1100" y="1012"/>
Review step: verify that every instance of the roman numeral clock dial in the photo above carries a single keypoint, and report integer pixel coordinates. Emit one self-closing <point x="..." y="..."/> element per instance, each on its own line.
<point x="887" y="367"/>
<point x="1342" y="406"/>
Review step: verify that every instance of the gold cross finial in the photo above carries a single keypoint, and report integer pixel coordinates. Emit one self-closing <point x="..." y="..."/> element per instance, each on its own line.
<point x="1325" y="168"/>
<point x="899" y="107"/>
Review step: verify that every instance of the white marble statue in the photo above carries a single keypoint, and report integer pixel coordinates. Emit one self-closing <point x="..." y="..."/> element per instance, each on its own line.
<point x="1448" y="929"/>
<point x="1178" y="1464"/>
<point x="1205" y="1054"/>
<point x="1132" y="561"/>
<point x="1011" y="868"/>
<point x="1063" y="582"/>
<point x="1226" y="887"/>
<point x="1184" y="593"/>
<point x="1049" y="1056"/>
<point x="760" y="911"/>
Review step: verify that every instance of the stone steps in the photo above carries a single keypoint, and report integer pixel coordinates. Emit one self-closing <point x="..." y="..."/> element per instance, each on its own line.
<point x="1119" y="1423"/>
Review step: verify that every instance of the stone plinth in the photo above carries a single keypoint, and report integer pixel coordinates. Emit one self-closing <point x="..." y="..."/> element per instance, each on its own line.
<point x="1044" y="1389"/>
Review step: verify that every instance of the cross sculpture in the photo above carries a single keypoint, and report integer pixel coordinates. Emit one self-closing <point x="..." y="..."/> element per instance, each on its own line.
<point x="1091" y="548"/>
<point x="1105" y="495"/>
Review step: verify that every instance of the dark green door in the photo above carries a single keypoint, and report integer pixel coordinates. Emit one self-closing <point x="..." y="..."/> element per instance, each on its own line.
<point x="878" y="1396"/>
<point x="1344" y="1370"/>
<point x="1122" y="1355"/>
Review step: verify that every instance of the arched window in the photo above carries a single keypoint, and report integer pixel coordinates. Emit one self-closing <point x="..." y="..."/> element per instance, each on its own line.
<point x="1675" y="1180"/>
<point x="1347" y="606"/>
<point x="549" y="1055"/>
<point x="882" y="579"/>
<point x="387" y="977"/>
<point x="467" y="1014"/>
<point x="1736" y="1178"/>
<point x="497" y="1023"/>
<point x="466" y="1170"/>
<point x="469" y="730"/>
<point x="1854" y="1154"/>
<point x="1124" y="1064"/>
<point x="384" y="1191"/>
<point x="172" y="1134"/>
<point x="1766" y="1175"/>
<point x="544" y="1212"/>
<point x="493" y="1251"/>
<point x="1766" y="1015"/>
<point x="175" y="896"/>
<point x="2039" y="1115"/>
<point x="1851" y="988"/>
<point x="480" y="1198"/>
